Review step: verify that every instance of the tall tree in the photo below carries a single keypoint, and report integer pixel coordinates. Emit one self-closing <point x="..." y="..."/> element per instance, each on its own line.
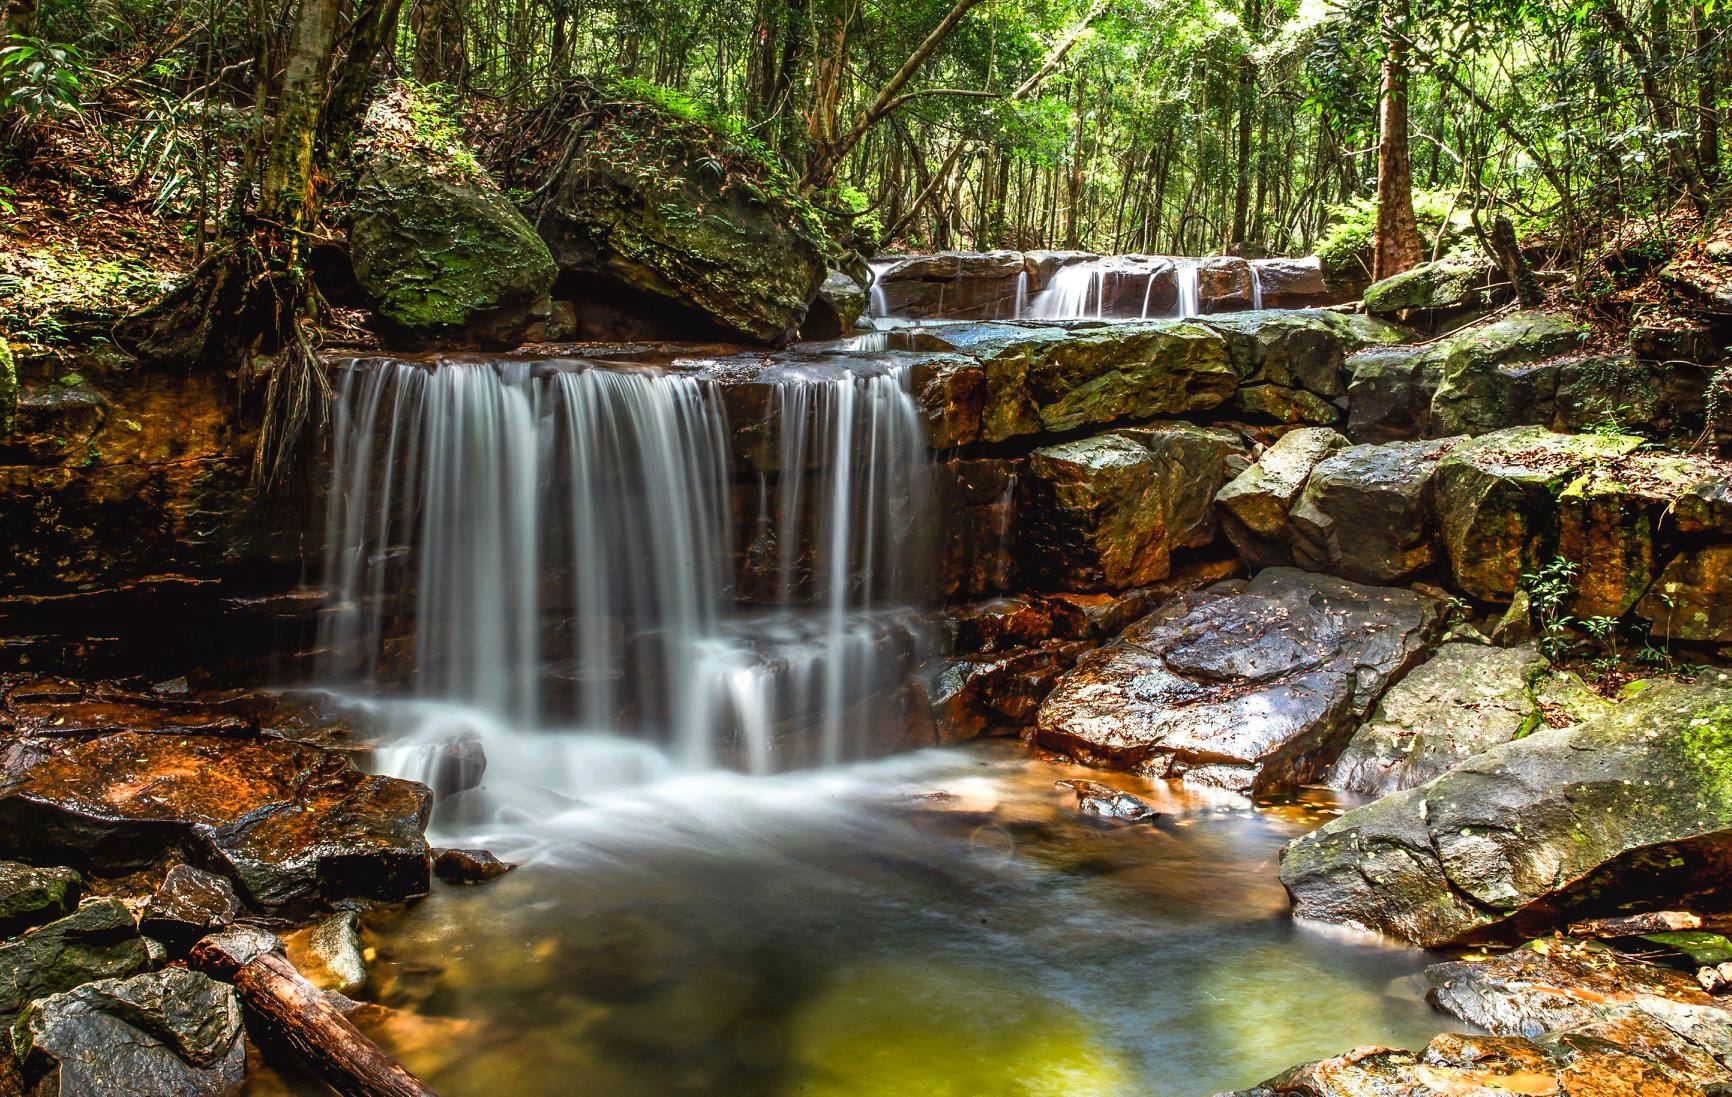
<point x="1396" y="244"/>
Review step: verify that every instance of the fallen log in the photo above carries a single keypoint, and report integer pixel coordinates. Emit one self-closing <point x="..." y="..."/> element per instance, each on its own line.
<point x="297" y="1013"/>
<point x="1637" y="925"/>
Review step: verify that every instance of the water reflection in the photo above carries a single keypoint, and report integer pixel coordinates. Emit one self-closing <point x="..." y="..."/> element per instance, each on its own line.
<point x="934" y="924"/>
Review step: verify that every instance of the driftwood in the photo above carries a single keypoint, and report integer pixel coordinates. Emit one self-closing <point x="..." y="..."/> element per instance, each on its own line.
<point x="1637" y="925"/>
<point x="299" y="1014"/>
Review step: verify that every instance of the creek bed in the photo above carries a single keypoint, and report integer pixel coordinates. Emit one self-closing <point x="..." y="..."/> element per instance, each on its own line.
<point x="942" y="923"/>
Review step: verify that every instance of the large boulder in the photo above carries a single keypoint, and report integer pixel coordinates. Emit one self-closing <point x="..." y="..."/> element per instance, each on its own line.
<point x="680" y="217"/>
<point x="1663" y="399"/>
<point x="1625" y="808"/>
<point x="1107" y="512"/>
<point x="1502" y="374"/>
<point x="1430" y="292"/>
<point x="963" y="285"/>
<point x="1290" y="363"/>
<point x="1463" y="701"/>
<point x="295" y="827"/>
<point x="1254" y="506"/>
<point x="439" y="250"/>
<point x="1363" y="513"/>
<point x="836" y="309"/>
<point x="99" y="940"/>
<point x="172" y="1033"/>
<point x="1497" y="501"/>
<point x="1295" y="283"/>
<point x="1252" y="686"/>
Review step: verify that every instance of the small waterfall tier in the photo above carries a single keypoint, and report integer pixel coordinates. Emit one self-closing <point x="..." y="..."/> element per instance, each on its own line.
<point x="558" y="545"/>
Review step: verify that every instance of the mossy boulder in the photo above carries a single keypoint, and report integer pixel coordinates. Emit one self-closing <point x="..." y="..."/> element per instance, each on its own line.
<point x="1254" y="506"/>
<point x="671" y="213"/>
<point x="8" y="386"/>
<point x="439" y="251"/>
<point x="1692" y="599"/>
<point x="99" y="940"/>
<point x="1446" y="286"/>
<point x="31" y="895"/>
<point x="1501" y="374"/>
<point x="1496" y="499"/>
<point x="1631" y="809"/>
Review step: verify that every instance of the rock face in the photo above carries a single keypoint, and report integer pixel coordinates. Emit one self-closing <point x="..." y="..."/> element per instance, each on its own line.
<point x="438" y="250"/>
<point x="99" y="940"/>
<point x="836" y="309"/>
<point x="1290" y="363"/>
<point x="1496" y="498"/>
<point x="1692" y="600"/>
<point x="639" y="209"/>
<point x="1462" y="702"/>
<point x="1502" y="375"/>
<point x="1251" y="686"/>
<point x="1254" y="506"/>
<point x="1363" y="513"/>
<point x="1107" y="512"/>
<point x="1629" y="806"/>
<point x="957" y="285"/>
<point x="295" y="827"/>
<point x="172" y="1033"/>
<point x="30" y="896"/>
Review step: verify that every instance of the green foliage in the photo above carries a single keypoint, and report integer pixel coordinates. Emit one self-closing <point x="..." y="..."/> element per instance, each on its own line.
<point x="1550" y="591"/>
<point x="1347" y="240"/>
<point x="42" y="79"/>
<point x="432" y="112"/>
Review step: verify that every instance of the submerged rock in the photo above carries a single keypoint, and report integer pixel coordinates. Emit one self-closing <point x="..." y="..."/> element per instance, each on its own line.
<point x="1251" y="686"/>
<point x="1626" y="807"/>
<point x="1106" y="802"/>
<point x="173" y="1033"/>
<point x="99" y="940"/>
<point x="30" y="896"/>
<point x="439" y="251"/>
<point x="469" y="866"/>
<point x="296" y="827"/>
<point x="1463" y="701"/>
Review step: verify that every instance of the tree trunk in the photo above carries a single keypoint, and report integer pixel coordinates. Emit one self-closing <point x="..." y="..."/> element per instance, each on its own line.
<point x="1707" y="95"/>
<point x="370" y="32"/>
<point x="1396" y="243"/>
<point x="19" y="19"/>
<point x="440" y="56"/>
<point x="1247" y="101"/>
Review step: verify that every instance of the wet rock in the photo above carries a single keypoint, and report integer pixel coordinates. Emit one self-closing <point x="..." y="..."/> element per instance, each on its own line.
<point x="1627" y="807"/>
<point x="976" y="695"/>
<point x="1106" y="802"/>
<point x="1294" y="283"/>
<point x="951" y="391"/>
<point x="330" y="954"/>
<point x="1251" y="686"/>
<point x="735" y="249"/>
<point x="1285" y="405"/>
<point x="439" y="250"/>
<point x="1291" y="363"/>
<point x="296" y="827"/>
<point x="1224" y="284"/>
<point x="188" y="904"/>
<point x="1496" y="501"/>
<point x="1463" y="701"/>
<point x="1571" y="996"/>
<point x="101" y="716"/>
<point x="998" y="624"/>
<point x="458" y="766"/>
<point x="1389" y="393"/>
<point x="977" y="539"/>
<point x="1692" y="599"/>
<point x="1254" y="506"/>
<point x="469" y="866"/>
<point x="1431" y="292"/>
<point x="1502" y="374"/>
<point x="961" y="285"/>
<point x="1052" y="380"/>
<point x="173" y="1033"/>
<point x="836" y="309"/>
<point x="1107" y="512"/>
<point x="1364" y="514"/>
<point x="99" y="940"/>
<point x="30" y="896"/>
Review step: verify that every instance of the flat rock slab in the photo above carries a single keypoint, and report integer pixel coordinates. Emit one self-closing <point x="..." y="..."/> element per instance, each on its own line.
<point x="1631" y="806"/>
<point x="295" y="827"/>
<point x="1252" y="686"/>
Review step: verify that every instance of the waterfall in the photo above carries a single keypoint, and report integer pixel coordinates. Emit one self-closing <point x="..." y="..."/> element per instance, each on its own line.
<point x="1019" y="305"/>
<point x="1256" y="285"/>
<point x="549" y="546"/>
<point x="1075" y="292"/>
<point x="1190" y="288"/>
<point x="877" y="302"/>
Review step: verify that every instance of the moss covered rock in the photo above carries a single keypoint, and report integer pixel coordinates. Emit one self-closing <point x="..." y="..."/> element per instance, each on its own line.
<point x="1630" y="807"/>
<point x="1255" y="504"/>
<point x="667" y="209"/>
<point x="439" y="251"/>
<point x="1448" y="285"/>
<point x="8" y="386"/>
<point x="1692" y="600"/>
<point x="1502" y="374"/>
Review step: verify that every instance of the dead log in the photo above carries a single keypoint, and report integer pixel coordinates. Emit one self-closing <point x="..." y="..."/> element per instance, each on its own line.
<point x="1515" y="268"/>
<point x="297" y="1013"/>
<point x="1637" y="925"/>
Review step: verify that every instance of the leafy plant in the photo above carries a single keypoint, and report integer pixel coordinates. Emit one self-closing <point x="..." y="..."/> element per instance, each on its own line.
<point x="41" y="78"/>
<point x="1550" y="591"/>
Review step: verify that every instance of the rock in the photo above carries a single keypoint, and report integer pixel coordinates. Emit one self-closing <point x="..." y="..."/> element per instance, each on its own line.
<point x="1705" y="288"/>
<point x="977" y="496"/>
<point x="1052" y="380"/>
<point x="1390" y="392"/>
<point x="1677" y="341"/>
<point x="1575" y="993"/>
<point x="439" y="251"/>
<point x="459" y="764"/>
<point x="667" y="214"/>
<point x="1294" y="283"/>
<point x="1430" y="291"/>
<point x="188" y="904"/>
<point x="1285" y="405"/>
<point x="1254" y="506"/>
<point x="1224" y="283"/>
<point x="980" y="694"/>
<point x="1692" y="600"/>
<point x="1295" y="350"/>
<point x="173" y="1033"/>
<point x="332" y="957"/>
<point x="30" y="896"/>
<point x="1625" y="807"/>
<point x="99" y="940"/>
<point x="1496" y="498"/>
<point x="1660" y="399"/>
<point x="836" y="309"/>
<point x="966" y="285"/>
<point x="469" y="866"/>
<point x="1106" y="802"/>
<point x="1500" y="375"/>
<point x="8" y="387"/>
<point x="998" y="624"/>
<point x="1363" y="513"/>
<point x="1107" y="512"/>
<point x="296" y="827"/>
<point x="1254" y="687"/>
<point x="1462" y="702"/>
<point x="102" y="716"/>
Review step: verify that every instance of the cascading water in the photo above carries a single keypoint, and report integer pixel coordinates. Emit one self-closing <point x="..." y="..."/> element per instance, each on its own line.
<point x="1256" y="286"/>
<point x="1189" y="276"/>
<point x="1120" y="287"/>
<point x="550" y="547"/>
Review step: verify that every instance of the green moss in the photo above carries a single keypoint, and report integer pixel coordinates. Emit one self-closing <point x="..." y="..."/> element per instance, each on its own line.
<point x="8" y="387"/>
<point x="1706" y="743"/>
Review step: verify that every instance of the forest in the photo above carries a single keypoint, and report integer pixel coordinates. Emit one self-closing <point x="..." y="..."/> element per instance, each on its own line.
<point x="849" y="548"/>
